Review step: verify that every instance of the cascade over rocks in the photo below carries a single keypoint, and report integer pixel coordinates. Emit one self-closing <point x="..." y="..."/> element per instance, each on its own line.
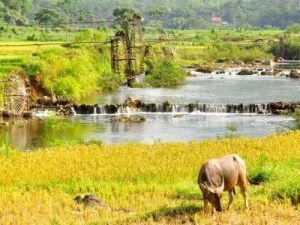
<point x="284" y="108"/>
<point x="132" y="103"/>
<point x="136" y="106"/>
<point x="167" y="107"/>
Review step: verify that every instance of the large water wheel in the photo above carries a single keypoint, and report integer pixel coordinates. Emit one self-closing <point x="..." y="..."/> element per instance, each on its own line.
<point x="16" y="93"/>
<point x="119" y="53"/>
<point x="128" y="49"/>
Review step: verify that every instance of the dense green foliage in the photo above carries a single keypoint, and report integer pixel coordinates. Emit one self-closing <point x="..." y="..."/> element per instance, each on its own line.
<point x="169" y="14"/>
<point x="180" y="14"/>
<point x="165" y="73"/>
<point x="13" y="11"/>
<point x="290" y="49"/>
<point x="75" y="71"/>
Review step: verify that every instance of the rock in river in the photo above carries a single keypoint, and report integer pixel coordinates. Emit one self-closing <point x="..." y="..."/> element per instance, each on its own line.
<point x="246" y="72"/>
<point x="205" y="69"/>
<point x="295" y="74"/>
<point x="129" y="119"/>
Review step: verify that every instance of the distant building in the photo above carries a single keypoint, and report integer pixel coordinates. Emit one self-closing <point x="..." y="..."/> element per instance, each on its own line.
<point x="216" y="19"/>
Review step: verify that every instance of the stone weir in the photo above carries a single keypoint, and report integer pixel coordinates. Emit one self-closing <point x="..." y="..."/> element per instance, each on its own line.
<point x="137" y="106"/>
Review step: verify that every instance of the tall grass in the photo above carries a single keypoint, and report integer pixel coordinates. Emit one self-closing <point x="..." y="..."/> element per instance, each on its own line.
<point x="157" y="182"/>
<point x="75" y="71"/>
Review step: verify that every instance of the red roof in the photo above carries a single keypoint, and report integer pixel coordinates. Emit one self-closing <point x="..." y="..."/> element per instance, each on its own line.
<point x="216" y="19"/>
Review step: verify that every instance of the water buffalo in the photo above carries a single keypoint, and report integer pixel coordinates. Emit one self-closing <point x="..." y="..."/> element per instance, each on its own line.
<point x="219" y="175"/>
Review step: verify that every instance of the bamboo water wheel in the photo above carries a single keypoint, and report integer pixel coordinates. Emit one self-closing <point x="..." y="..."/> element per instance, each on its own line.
<point x="128" y="49"/>
<point x="16" y="93"/>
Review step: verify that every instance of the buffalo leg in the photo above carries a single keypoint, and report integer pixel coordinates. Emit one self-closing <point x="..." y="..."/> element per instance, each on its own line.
<point x="243" y="187"/>
<point x="245" y="195"/>
<point x="231" y="198"/>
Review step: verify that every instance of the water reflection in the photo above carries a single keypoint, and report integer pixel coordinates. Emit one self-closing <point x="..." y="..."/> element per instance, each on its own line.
<point x="157" y="127"/>
<point x="168" y="127"/>
<point x="44" y="133"/>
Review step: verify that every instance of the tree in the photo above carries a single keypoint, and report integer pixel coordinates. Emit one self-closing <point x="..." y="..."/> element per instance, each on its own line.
<point x="21" y="6"/>
<point x="65" y="7"/>
<point x="48" y="16"/>
<point x="123" y="13"/>
<point x="156" y="12"/>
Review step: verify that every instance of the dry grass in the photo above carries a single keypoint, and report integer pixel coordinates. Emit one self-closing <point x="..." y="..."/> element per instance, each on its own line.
<point x="157" y="182"/>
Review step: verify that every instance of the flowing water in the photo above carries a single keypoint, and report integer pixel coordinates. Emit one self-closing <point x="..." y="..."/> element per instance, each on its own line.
<point x="214" y="89"/>
<point x="210" y="92"/>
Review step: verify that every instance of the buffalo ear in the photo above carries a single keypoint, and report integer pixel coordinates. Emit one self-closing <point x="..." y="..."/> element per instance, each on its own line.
<point x="203" y="186"/>
<point x="211" y="190"/>
<point x="207" y="188"/>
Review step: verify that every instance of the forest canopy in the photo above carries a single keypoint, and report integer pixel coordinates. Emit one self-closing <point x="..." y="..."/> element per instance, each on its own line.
<point x="179" y="14"/>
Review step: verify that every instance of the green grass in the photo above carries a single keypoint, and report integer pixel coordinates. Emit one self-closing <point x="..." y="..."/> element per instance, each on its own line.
<point x="165" y="73"/>
<point x="297" y="118"/>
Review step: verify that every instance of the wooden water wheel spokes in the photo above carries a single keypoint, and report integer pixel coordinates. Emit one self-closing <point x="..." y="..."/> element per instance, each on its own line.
<point x="16" y="93"/>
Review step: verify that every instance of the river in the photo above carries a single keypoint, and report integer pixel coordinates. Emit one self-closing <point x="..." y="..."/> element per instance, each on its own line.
<point x="227" y="88"/>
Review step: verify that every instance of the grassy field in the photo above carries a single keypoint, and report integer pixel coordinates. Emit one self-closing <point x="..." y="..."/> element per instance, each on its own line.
<point x="147" y="184"/>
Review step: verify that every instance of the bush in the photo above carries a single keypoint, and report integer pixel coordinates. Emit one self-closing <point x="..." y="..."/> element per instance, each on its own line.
<point x="291" y="49"/>
<point x="110" y="81"/>
<point x="263" y="171"/>
<point x="32" y="37"/>
<point x="74" y="72"/>
<point x="293" y="28"/>
<point x="33" y="68"/>
<point x="297" y="118"/>
<point x="165" y="73"/>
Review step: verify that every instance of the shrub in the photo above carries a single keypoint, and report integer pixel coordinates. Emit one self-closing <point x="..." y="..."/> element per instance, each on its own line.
<point x="33" y="68"/>
<point x="297" y="118"/>
<point x="74" y="72"/>
<point x="165" y="73"/>
<point x="32" y="37"/>
<point x="263" y="171"/>
<point x="293" y="28"/>
<point x="110" y="81"/>
<point x="291" y="49"/>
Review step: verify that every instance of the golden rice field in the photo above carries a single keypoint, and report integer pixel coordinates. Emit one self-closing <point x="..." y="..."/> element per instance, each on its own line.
<point x="147" y="184"/>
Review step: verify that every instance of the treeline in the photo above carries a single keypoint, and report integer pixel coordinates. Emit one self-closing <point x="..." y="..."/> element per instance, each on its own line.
<point x="179" y="14"/>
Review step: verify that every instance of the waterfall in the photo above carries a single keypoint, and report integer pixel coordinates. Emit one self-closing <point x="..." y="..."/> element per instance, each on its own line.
<point x="173" y="108"/>
<point x="95" y="110"/>
<point x="73" y="111"/>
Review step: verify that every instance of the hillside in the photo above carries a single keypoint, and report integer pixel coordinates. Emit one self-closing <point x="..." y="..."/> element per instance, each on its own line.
<point x="197" y="13"/>
<point x="177" y="14"/>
